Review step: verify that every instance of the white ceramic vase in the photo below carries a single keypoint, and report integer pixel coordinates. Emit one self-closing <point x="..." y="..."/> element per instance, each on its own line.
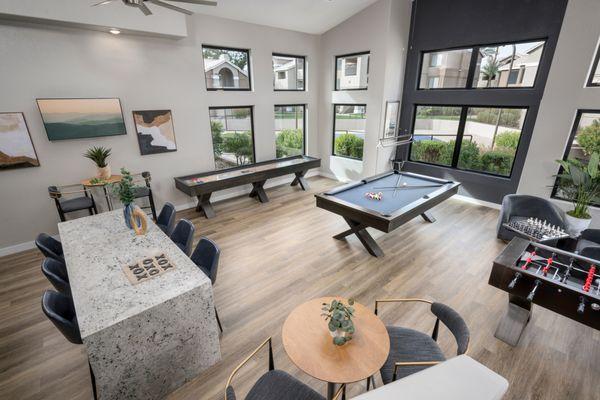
<point x="105" y="172"/>
<point x="577" y="225"/>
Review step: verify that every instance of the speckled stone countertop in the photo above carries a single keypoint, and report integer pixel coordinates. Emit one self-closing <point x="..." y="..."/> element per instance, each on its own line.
<point x="97" y="247"/>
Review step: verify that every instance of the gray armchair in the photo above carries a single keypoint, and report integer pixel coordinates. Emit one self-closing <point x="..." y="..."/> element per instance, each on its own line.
<point x="518" y="206"/>
<point x="588" y="244"/>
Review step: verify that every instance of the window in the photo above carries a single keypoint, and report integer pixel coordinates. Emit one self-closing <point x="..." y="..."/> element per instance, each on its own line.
<point x="289" y="72"/>
<point x="594" y="79"/>
<point x="445" y="69"/>
<point x="584" y="140"/>
<point x="490" y="139"/>
<point x="226" y="68"/>
<point x="508" y="65"/>
<point x="352" y="71"/>
<point x="290" y="129"/>
<point x="232" y="131"/>
<point x="349" y="128"/>
<point x="487" y="141"/>
<point x="435" y="132"/>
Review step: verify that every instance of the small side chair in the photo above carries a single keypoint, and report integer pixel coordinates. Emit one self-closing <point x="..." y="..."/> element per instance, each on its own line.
<point x="83" y="201"/>
<point x="50" y="247"/>
<point x="276" y="384"/>
<point x="206" y="257"/>
<point x="56" y="272"/>
<point x="145" y="191"/>
<point x="412" y="351"/>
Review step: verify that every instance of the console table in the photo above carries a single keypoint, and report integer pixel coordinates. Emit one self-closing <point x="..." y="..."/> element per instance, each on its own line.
<point x="143" y="340"/>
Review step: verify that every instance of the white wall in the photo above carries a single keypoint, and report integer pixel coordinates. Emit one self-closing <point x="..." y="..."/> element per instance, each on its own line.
<point x="565" y="93"/>
<point x="145" y="73"/>
<point x="383" y="30"/>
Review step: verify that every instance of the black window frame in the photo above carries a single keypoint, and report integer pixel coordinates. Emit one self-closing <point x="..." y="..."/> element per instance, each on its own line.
<point x="251" y="107"/>
<point x="335" y="81"/>
<point x="333" y="131"/>
<point x="462" y="123"/>
<point x="589" y="82"/>
<point x="304" y="108"/>
<point x="572" y="135"/>
<point x="304" y="71"/>
<point x="247" y="51"/>
<point x="473" y="65"/>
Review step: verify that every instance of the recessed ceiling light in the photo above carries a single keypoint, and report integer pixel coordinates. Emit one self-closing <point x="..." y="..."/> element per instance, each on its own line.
<point x="114" y="31"/>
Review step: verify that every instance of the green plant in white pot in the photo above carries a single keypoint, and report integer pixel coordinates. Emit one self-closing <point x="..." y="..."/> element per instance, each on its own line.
<point x="580" y="183"/>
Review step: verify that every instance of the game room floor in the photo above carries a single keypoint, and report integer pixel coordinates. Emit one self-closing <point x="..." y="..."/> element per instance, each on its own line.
<point x="280" y="254"/>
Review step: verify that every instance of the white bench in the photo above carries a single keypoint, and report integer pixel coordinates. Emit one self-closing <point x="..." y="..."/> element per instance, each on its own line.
<point x="460" y="378"/>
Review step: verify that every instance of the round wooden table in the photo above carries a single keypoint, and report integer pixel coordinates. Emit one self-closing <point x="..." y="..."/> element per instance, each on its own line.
<point x="103" y="184"/>
<point x="308" y="343"/>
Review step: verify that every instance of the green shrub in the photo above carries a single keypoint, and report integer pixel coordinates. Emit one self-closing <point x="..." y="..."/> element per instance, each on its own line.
<point x="349" y="145"/>
<point x="497" y="162"/>
<point x="431" y="151"/>
<point x="240" y="145"/>
<point x="508" y="139"/>
<point x="589" y="138"/>
<point x="289" y="143"/>
<point x="469" y="157"/>
<point x="216" y="128"/>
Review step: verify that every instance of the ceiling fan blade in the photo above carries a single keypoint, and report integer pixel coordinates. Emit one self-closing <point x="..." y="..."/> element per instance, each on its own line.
<point x="171" y="7"/>
<point x="144" y="9"/>
<point x="102" y="3"/>
<point x="199" y="2"/>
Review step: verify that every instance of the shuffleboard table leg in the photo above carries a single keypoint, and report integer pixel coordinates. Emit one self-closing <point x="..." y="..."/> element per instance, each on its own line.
<point x="428" y="217"/>
<point x="513" y="324"/>
<point x="259" y="191"/>
<point x="299" y="179"/>
<point x="204" y="206"/>
<point x="365" y="237"/>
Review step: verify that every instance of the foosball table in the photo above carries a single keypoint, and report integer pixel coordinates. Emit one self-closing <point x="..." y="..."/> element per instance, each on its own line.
<point x="561" y="281"/>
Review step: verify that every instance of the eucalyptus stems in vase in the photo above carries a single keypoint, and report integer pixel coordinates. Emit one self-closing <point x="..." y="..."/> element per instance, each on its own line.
<point x="125" y="191"/>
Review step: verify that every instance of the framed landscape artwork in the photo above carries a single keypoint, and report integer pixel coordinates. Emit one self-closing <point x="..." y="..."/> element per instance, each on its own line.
<point x="391" y="119"/>
<point x="155" y="131"/>
<point x="66" y="119"/>
<point x="16" y="147"/>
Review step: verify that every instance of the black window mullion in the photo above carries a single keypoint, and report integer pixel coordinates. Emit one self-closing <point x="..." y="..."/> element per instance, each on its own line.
<point x="472" y="66"/>
<point x="459" y="135"/>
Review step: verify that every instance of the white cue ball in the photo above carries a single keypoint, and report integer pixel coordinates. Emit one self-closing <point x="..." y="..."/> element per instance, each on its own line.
<point x="404" y="184"/>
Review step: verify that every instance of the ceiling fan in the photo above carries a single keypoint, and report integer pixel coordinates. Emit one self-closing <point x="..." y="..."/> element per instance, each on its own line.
<point x="141" y="4"/>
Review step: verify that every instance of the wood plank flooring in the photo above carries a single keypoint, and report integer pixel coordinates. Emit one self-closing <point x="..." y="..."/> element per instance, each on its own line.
<point x="280" y="254"/>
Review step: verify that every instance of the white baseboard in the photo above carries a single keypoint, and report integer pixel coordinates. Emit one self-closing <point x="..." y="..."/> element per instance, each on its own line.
<point x="471" y="200"/>
<point x="17" y="248"/>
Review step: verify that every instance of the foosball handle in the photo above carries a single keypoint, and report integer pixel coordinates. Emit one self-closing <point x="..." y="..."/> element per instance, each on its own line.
<point x="581" y="307"/>
<point x="535" y="288"/>
<point x="512" y="283"/>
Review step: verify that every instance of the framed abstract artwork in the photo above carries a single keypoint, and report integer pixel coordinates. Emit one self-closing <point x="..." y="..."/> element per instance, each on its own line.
<point x="391" y="119"/>
<point x="16" y="147"/>
<point x="66" y="119"/>
<point x="155" y="131"/>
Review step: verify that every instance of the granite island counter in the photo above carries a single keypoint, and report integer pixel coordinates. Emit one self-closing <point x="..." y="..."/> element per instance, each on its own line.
<point x="143" y="340"/>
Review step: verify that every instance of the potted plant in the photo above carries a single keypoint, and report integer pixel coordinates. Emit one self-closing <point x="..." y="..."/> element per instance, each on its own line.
<point x="339" y="317"/>
<point x="580" y="184"/>
<point x="125" y="191"/>
<point x="99" y="156"/>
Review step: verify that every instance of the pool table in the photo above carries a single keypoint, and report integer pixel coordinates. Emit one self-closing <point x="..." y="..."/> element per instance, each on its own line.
<point x="404" y="196"/>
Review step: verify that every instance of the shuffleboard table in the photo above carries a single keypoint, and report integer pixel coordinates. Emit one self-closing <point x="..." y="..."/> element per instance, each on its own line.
<point x="402" y="197"/>
<point x="203" y="185"/>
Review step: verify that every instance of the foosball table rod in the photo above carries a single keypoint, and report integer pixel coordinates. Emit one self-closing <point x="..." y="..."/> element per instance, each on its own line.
<point x="531" y="294"/>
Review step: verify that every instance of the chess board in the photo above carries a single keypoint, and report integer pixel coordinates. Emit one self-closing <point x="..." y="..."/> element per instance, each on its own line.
<point x="536" y="230"/>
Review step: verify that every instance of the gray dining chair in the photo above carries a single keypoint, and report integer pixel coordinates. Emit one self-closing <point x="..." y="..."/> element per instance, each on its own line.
<point x="206" y="257"/>
<point x="166" y="218"/>
<point x="183" y="235"/>
<point x="50" y="247"/>
<point x="56" y="272"/>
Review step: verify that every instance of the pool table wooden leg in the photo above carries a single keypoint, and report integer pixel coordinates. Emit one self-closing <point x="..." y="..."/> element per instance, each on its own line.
<point x="428" y="217"/>
<point x="365" y="237"/>
<point x="259" y="192"/>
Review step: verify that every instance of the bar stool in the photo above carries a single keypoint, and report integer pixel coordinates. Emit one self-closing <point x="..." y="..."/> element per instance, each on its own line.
<point x="206" y="257"/>
<point x="50" y="247"/>
<point x="56" y="273"/>
<point x="65" y="206"/>
<point x="183" y="236"/>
